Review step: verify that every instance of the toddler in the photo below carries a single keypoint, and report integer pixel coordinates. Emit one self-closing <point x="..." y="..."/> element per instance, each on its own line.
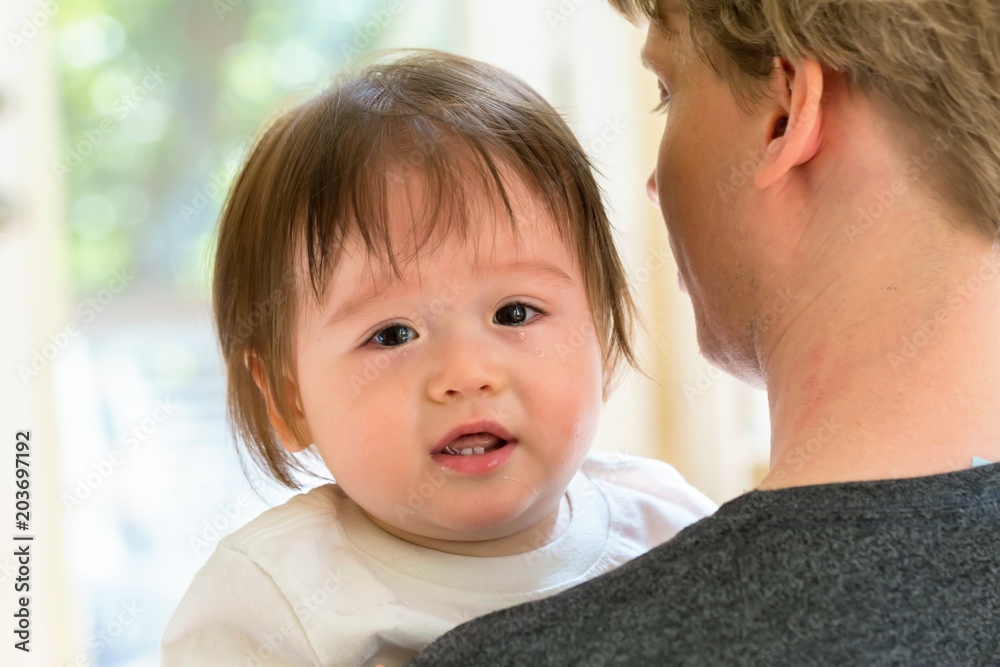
<point x="416" y="280"/>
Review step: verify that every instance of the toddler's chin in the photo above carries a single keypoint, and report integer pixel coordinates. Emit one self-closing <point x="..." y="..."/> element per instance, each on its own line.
<point x="477" y="524"/>
<point x="484" y="524"/>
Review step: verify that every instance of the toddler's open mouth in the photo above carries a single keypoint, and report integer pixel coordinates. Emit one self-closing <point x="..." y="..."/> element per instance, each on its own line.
<point x="475" y="448"/>
<point x="473" y="439"/>
<point x="473" y="444"/>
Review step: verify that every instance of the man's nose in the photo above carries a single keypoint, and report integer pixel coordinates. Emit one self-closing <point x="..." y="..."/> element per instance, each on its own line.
<point x="462" y="370"/>
<point x="651" y="192"/>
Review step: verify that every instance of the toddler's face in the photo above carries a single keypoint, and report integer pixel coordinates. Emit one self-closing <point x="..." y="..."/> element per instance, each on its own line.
<point x="457" y="403"/>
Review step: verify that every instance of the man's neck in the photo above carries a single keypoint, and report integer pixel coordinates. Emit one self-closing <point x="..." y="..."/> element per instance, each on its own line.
<point x="892" y="381"/>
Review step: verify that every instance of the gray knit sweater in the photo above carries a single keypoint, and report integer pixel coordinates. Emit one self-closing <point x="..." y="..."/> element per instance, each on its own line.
<point x="897" y="572"/>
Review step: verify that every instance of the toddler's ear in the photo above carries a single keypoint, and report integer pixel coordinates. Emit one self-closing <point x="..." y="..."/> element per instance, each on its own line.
<point x="288" y="439"/>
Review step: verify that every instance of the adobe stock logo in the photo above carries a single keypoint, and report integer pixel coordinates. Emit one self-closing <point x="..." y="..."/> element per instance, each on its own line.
<point x="364" y="34"/>
<point x="131" y="440"/>
<point x="374" y="367"/>
<point x="927" y="331"/>
<point x="31" y="26"/>
<point x="214" y="529"/>
<point x="913" y="172"/>
<point x="741" y="174"/>
<point x="419" y="496"/>
<point x="41" y="357"/>
<point x="122" y="108"/>
<point x="610" y="131"/>
<point x="563" y="12"/>
<point x="202" y="198"/>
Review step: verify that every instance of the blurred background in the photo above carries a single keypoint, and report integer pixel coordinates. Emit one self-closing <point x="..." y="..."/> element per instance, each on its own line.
<point x="122" y="125"/>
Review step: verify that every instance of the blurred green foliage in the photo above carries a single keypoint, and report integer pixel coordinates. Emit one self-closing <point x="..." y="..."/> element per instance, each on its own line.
<point x="160" y="100"/>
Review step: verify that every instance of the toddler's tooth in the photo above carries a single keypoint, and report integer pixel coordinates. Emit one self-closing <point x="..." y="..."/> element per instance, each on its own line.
<point x="478" y="450"/>
<point x="466" y="452"/>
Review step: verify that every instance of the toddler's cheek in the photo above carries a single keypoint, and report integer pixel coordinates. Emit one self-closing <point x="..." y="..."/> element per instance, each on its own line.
<point x="569" y="410"/>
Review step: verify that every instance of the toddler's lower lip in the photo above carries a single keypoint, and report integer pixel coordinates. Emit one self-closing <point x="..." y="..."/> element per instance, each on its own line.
<point x="476" y="464"/>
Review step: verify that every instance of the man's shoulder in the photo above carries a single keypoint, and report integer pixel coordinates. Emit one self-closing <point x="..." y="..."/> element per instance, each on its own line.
<point x="767" y="580"/>
<point x="665" y="597"/>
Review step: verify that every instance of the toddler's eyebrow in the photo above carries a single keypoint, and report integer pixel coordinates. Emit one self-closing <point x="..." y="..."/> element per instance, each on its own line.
<point x="354" y="306"/>
<point x="540" y="268"/>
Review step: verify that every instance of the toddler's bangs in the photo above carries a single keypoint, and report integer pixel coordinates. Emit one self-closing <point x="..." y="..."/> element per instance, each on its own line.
<point x="377" y="136"/>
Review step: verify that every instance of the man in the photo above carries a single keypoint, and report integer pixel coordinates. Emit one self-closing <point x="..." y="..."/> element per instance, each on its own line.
<point x="854" y="276"/>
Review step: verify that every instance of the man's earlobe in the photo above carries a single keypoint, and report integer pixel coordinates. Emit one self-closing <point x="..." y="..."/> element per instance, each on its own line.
<point x="288" y="439"/>
<point x="795" y="121"/>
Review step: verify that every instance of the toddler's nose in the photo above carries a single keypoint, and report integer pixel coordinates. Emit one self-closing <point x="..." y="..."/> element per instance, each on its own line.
<point x="465" y="370"/>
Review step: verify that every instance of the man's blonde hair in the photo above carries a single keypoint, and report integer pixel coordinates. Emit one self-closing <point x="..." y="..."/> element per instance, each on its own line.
<point x="933" y="64"/>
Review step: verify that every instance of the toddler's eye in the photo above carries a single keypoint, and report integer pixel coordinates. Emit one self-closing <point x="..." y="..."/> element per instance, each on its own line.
<point x="515" y="314"/>
<point x="394" y="335"/>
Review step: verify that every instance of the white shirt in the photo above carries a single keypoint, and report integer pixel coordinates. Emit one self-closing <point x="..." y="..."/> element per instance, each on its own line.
<point x="315" y="582"/>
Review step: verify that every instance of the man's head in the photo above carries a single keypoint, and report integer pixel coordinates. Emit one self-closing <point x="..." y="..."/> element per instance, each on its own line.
<point x="796" y="128"/>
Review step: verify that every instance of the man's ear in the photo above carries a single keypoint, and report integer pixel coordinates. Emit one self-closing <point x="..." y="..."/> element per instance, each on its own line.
<point x="795" y="120"/>
<point x="288" y="439"/>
